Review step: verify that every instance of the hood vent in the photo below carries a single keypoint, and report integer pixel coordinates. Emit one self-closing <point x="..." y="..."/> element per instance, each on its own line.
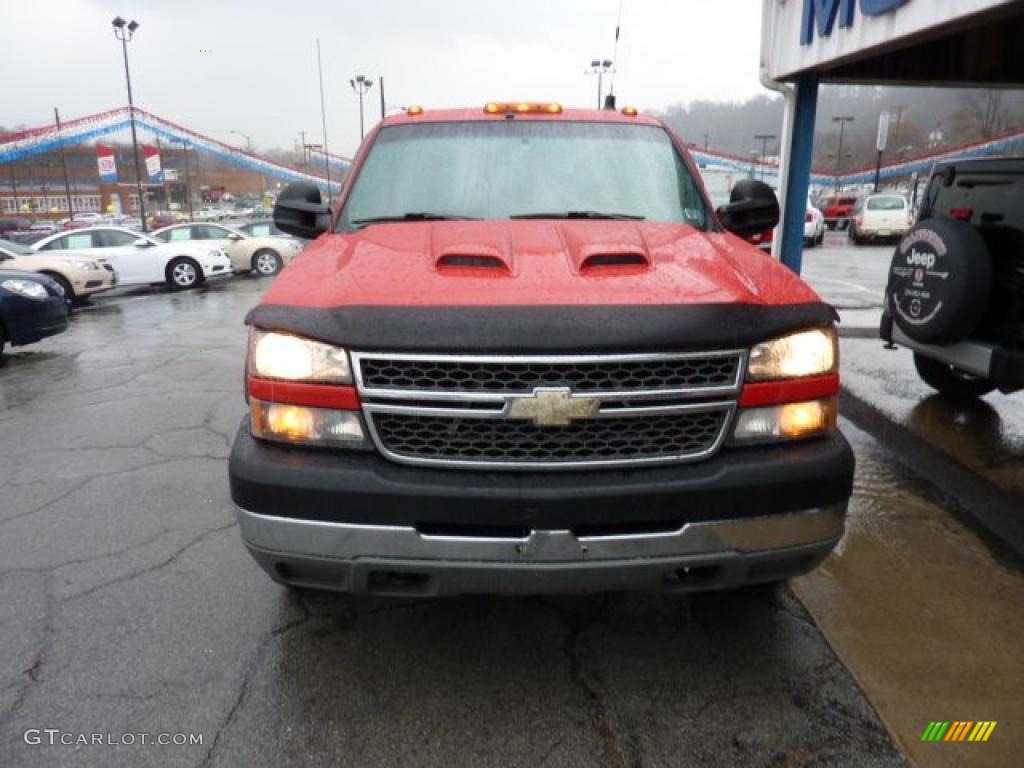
<point x="472" y="261"/>
<point x="615" y="261"/>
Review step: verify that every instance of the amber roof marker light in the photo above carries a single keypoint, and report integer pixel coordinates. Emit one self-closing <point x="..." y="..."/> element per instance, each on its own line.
<point x="522" y="107"/>
<point x="630" y="111"/>
<point x="414" y="110"/>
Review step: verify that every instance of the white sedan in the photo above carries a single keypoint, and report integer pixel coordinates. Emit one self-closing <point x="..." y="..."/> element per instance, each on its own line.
<point x="814" y="225"/>
<point x="140" y="259"/>
<point x="263" y="255"/>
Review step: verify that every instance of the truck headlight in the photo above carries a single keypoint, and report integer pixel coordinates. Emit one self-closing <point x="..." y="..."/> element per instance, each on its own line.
<point x="26" y="288"/>
<point x="292" y="358"/>
<point x="807" y="353"/>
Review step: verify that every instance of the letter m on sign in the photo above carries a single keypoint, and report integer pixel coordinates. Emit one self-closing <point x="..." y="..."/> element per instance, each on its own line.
<point x="822" y="14"/>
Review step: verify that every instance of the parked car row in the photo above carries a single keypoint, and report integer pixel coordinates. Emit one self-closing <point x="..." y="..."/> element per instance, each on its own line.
<point x="80" y="263"/>
<point x="868" y="218"/>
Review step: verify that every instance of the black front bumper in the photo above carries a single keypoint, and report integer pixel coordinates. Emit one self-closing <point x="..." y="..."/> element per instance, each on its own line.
<point x="29" y="320"/>
<point x="366" y="489"/>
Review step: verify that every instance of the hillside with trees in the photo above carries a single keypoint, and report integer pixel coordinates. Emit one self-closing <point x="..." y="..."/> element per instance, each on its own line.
<point x="921" y="120"/>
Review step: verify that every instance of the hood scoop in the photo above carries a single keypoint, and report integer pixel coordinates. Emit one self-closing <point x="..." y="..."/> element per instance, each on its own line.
<point x="476" y="262"/>
<point x="619" y="262"/>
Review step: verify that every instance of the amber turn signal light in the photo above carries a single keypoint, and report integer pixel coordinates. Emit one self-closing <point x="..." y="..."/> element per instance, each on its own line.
<point x="503" y="107"/>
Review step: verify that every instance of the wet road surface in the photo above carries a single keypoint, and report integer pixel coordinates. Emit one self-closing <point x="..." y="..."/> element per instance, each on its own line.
<point x="128" y="605"/>
<point x="922" y="613"/>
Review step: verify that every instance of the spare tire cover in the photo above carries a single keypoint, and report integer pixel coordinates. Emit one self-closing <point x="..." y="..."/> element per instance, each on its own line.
<point x="939" y="281"/>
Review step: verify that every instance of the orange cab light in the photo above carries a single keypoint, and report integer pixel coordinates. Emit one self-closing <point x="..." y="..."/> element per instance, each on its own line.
<point x="498" y="107"/>
<point x="630" y="111"/>
<point x="415" y="109"/>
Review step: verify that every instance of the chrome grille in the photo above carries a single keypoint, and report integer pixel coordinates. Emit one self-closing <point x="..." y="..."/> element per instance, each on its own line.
<point x="468" y="411"/>
<point x="505" y="376"/>
<point x="594" y="440"/>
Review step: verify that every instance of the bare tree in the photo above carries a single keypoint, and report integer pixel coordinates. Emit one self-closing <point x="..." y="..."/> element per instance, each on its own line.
<point x="983" y="114"/>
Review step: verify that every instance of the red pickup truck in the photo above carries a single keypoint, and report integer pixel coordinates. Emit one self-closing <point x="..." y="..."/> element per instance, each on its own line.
<point x="838" y="210"/>
<point x="525" y="355"/>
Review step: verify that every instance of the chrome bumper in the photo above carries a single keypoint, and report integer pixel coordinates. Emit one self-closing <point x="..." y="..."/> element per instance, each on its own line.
<point x="402" y="561"/>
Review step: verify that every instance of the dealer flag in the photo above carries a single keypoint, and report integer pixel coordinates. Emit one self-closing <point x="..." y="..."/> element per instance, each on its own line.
<point x="152" y="155"/>
<point x="105" y="162"/>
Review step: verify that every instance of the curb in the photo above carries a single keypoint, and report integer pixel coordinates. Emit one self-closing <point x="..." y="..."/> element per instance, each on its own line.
<point x="979" y="504"/>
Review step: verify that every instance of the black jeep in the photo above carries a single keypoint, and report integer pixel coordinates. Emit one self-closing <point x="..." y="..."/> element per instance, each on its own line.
<point x="956" y="283"/>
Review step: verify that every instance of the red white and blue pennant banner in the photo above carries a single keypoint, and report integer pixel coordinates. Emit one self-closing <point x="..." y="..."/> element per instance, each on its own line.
<point x="20" y="145"/>
<point x="106" y="164"/>
<point x="153" y="169"/>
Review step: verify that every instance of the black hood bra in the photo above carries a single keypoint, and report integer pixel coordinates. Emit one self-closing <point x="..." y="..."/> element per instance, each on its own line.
<point x="562" y="329"/>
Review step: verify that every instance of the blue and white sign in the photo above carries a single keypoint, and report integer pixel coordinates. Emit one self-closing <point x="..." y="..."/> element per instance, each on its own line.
<point x="821" y="15"/>
<point x="802" y="35"/>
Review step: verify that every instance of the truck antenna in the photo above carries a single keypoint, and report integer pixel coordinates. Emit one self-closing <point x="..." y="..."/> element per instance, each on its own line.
<point x="615" y="55"/>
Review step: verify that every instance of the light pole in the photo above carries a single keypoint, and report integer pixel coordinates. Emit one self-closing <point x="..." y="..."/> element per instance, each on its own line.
<point x="188" y="177"/>
<point x="248" y="140"/>
<point x="842" y="120"/>
<point x="123" y="31"/>
<point x="361" y="85"/>
<point x="248" y="148"/>
<point x="64" y="163"/>
<point x="323" y="120"/>
<point x="764" y="138"/>
<point x="599" y="67"/>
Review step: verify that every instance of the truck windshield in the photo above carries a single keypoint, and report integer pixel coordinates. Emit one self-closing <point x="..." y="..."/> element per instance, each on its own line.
<point x="523" y="169"/>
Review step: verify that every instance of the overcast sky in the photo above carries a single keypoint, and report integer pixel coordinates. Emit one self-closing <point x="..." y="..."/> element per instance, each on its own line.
<point x="260" y="75"/>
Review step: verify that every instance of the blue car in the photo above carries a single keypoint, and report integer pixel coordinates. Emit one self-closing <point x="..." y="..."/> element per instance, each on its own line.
<point x="31" y="308"/>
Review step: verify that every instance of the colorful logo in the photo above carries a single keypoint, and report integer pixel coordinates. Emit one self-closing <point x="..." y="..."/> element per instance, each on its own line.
<point x="959" y="730"/>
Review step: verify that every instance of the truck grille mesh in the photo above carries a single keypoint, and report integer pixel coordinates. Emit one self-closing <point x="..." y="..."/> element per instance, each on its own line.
<point x="511" y="376"/>
<point x="468" y="410"/>
<point x="594" y="440"/>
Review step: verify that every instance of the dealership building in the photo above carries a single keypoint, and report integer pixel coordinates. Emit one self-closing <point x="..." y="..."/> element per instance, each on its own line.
<point x="807" y="43"/>
<point x="35" y="185"/>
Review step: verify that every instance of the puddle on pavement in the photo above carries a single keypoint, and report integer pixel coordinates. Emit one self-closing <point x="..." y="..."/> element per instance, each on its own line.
<point x="975" y="434"/>
<point x="985" y="435"/>
<point x="923" y="616"/>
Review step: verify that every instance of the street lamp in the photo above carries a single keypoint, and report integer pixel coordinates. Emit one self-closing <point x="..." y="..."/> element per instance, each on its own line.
<point x="842" y="120"/>
<point x="599" y="67"/>
<point x="361" y="85"/>
<point x="123" y="31"/>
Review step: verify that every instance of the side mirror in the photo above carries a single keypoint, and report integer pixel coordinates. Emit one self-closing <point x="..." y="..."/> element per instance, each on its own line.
<point x="234" y="237"/>
<point x="300" y="211"/>
<point x="142" y="243"/>
<point x="752" y="208"/>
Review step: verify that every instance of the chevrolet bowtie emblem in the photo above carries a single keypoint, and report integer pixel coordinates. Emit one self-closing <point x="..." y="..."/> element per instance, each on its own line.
<point x="554" y="407"/>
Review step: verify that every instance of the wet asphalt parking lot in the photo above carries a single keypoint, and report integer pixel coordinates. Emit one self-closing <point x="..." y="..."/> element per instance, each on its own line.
<point x="128" y="604"/>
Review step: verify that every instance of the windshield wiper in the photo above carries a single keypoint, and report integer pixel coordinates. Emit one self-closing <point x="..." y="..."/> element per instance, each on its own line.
<point x="579" y="215"/>
<point x="413" y="216"/>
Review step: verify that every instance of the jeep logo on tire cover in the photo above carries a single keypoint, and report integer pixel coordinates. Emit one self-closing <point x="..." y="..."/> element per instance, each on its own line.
<point x="912" y="300"/>
<point x="939" y="279"/>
